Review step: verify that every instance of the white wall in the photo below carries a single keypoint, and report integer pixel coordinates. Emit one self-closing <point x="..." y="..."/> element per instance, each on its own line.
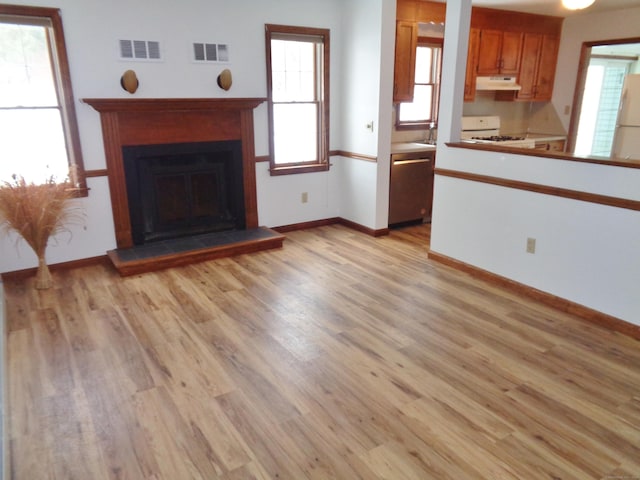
<point x="92" y="29"/>
<point x="586" y="253"/>
<point x="385" y="112"/>
<point x="361" y="77"/>
<point x="587" y="27"/>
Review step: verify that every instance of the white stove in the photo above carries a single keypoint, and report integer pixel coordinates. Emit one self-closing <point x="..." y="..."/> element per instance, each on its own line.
<point x="486" y="130"/>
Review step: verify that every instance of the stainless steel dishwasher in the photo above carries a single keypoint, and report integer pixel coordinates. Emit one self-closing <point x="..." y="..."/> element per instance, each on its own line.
<point x="411" y="187"/>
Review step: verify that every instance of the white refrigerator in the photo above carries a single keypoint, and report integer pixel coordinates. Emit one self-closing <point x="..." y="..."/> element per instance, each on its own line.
<point x="626" y="140"/>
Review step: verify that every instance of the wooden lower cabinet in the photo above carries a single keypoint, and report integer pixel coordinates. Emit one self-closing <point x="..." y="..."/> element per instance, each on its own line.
<point x="556" y="146"/>
<point x="551" y="145"/>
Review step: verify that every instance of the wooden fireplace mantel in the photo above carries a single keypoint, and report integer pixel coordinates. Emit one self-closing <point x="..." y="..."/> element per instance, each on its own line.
<point x="171" y="104"/>
<point x="154" y="121"/>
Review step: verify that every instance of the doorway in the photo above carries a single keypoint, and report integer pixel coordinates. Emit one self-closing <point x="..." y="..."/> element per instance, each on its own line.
<point x="603" y="66"/>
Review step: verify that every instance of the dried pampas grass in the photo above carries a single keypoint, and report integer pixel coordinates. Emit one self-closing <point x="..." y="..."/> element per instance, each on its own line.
<point x="36" y="212"/>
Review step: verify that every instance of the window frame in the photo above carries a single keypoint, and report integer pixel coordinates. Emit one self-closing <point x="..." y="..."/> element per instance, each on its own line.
<point x="323" y="87"/>
<point x="435" y="101"/>
<point x="62" y="79"/>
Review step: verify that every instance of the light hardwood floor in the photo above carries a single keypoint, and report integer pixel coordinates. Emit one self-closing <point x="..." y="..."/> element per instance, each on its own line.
<point x="339" y="356"/>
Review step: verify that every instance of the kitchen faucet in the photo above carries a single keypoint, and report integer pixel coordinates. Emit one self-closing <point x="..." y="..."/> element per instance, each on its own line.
<point x="430" y="140"/>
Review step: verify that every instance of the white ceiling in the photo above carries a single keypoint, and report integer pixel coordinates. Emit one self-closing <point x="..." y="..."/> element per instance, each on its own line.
<point x="554" y="7"/>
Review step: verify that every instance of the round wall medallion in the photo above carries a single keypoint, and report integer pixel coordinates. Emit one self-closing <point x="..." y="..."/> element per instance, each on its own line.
<point x="224" y="79"/>
<point x="129" y="81"/>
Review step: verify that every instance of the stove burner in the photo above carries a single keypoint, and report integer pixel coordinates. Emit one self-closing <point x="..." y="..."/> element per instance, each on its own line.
<point x="498" y="138"/>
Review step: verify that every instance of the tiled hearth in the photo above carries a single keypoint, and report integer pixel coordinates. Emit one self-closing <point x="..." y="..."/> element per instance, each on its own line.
<point x="196" y="248"/>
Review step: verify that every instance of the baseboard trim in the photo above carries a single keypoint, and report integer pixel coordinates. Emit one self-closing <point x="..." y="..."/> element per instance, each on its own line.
<point x="331" y="221"/>
<point x="83" y="262"/>
<point x="104" y="259"/>
<point x="305" y="225"/>
<point x="593" y="316"/>
<point x="361" y="228"/>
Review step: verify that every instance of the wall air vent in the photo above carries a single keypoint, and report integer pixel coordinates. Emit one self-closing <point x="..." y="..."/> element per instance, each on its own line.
<point x="140" y="50"/>
<point x="211" y="52"/>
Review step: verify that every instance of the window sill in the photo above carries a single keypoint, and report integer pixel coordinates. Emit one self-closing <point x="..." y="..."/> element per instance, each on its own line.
<point x="294" y="169"/>
<point x="413" y="126"/>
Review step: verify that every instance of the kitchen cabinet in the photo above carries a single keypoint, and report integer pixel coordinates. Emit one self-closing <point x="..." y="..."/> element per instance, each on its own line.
<point x="472" y="61"/>
<point x="500" y="43"/>
<point x="409" y="13"/>
<point x="405" y="60"/>
<point x="550" y="145"/>
<point x="421" y="11"/>
<point x="538" y="67"/>
<point x="499" y="52"/>
<point x="406" y="10"/>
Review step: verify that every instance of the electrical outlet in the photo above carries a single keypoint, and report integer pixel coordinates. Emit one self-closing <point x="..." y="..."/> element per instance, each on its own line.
<point x="531" y="245"/>
<point x="304" y="198"/>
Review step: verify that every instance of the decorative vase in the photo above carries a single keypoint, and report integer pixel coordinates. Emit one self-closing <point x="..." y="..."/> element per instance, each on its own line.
<point x="36" y="212"/>
<point x="43" y="276"/>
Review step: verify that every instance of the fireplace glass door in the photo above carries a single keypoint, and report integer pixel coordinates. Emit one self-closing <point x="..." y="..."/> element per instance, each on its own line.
<point x="179" y="190"/>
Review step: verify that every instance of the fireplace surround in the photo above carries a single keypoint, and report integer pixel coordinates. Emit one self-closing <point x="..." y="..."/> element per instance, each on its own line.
<point x="140" y="122"/>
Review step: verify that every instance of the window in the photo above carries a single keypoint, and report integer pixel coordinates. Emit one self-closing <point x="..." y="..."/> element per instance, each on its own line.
<point x="38" y="127"/>
<point x="600" y="104"/>
<point x="298" y="98"/>
<point x="424" y="108"/>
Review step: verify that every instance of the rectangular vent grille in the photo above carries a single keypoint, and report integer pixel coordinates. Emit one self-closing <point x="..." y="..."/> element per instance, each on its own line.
<point x="211" y="52"/>
<point x="140" y="50"/>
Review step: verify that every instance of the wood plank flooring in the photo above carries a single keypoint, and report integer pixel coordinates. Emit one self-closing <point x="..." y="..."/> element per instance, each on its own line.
<point x="339" y="356"/>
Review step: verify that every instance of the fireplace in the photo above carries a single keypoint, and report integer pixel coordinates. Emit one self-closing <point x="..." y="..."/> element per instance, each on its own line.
<point x="149" y="122"/>
<point x="182" y="189"/>
<point x="196" y="157"/>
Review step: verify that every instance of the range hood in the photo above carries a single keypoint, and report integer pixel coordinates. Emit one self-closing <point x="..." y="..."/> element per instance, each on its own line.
<point x="497" y="83"/>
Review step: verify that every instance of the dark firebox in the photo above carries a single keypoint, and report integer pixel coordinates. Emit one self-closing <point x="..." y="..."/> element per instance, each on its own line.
<point x="182" y="189"/>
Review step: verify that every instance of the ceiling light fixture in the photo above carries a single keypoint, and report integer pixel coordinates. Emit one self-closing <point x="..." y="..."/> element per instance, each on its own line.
<point x="577" y="4"/>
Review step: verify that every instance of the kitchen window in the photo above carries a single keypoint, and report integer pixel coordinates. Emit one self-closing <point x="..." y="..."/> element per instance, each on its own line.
<point x="298" y="98"/>
<point x="423" y="110"/>
<point x="39" y="136"/>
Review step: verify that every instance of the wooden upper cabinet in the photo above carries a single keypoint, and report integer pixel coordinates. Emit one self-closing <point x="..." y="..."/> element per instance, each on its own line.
<point x="472" y="61"/>
<point x="499" y="52"/>
<point x="546" y="74"/>
<point x="427" y="12"/>
<point x="538" y="67"/>
<point x="529" y="66"/>
<point x="408" y="14"/>
<point x="407" y="10"/>
<point x="510" y="57"/>
<point x="500" y="43"/>
<point x="489" y="52"/>
<point x="405" y="61"/>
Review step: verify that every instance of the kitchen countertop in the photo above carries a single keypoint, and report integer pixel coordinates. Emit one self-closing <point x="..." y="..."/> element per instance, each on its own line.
<point x="410" y="147"/>
<point x="543" y="137"/>
<point x="616" y="162"/>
